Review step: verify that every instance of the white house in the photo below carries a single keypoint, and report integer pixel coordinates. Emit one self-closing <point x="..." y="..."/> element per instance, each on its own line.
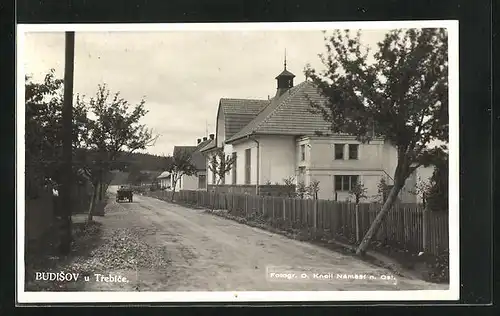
<point x="165" y="180"/>
<point x="198" y="181"/>
<point x="281" y="138"/>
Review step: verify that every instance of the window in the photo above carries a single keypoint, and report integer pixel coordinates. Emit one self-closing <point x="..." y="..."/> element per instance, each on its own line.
<point x="302" y="152"/>
<point x="248" y="165"/>
<point x="302" y="174"/>
<point x="353" y="151"/>
<point x="345" y="183"/>
<point x="339" y="151"/>
<point x="233" y="168"/>
<point x="202" y="181"/>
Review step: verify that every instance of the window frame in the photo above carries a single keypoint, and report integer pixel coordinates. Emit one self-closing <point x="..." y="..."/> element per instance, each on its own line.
<point x="357" y="151"/>
<point x="335" y="146"/>
<point x="302" y="152"/>
<point x="343" y="183"/>
<point x="202" y="176"/>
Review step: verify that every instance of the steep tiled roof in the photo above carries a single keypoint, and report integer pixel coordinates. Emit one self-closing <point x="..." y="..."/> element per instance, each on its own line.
<point x="197" y="157"/>
<point x="288" y="114"/>
<point x="239" y="112"/>
<point x="285" y="73"/>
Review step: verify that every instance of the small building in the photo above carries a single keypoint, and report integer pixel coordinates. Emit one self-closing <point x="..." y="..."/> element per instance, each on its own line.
<point x="164" y="180"/>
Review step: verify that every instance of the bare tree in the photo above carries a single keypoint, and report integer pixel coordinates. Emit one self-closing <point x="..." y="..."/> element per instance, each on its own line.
<point x="421" y="190"/>
<point x="301" y="189"/>
<point x="178" y="165"/>
<point x="358" y="191"/>
<point x="290" y="183"/>
<point x="220" y="164"/>
<point x="313" y="189"/>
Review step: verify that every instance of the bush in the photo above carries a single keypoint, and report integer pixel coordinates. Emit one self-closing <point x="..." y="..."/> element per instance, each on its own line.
<point x="437" y="195"/>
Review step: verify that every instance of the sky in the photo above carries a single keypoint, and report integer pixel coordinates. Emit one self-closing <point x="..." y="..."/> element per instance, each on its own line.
<point x="182" y="75"/>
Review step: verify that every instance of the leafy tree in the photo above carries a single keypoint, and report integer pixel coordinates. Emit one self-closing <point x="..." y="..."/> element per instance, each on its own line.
<point x="220" y="164"/>
<point x="115" y="130"/>
<point x="358" y="191"/>
<point x="43" y="131"/>
<point x="177" y="165"/>
<point x="44" y="145"/>
<point x="402" y="97"/>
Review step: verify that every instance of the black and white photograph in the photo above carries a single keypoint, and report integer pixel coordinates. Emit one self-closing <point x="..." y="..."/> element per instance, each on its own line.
<point x="238" y="162"/>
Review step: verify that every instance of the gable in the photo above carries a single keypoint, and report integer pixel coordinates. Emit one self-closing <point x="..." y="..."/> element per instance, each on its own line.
<point x="237" y="113"/>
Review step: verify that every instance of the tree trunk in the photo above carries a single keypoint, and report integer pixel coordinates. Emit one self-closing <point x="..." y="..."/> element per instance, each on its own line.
<point x="174" y="184"/>
<point x="92" y="203"/>
<point x="215" y="194"/>
<point x="100" y="210"/>
<point x="100" y="186"/>
<point x="363" y="246"/>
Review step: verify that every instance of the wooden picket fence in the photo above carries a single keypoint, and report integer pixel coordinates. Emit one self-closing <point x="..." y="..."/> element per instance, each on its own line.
<point x="407" y="226"/>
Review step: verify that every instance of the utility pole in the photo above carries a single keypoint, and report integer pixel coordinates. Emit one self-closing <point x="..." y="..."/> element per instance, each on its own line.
<point x="67" y="137"/>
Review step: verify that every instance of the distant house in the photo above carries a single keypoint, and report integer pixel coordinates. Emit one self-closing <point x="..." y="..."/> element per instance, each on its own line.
<point x="281" y="138"/>
<point x="164" y="180"/>
<point x="198" y="181"/>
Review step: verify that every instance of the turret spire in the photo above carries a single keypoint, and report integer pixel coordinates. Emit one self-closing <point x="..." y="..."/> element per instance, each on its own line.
<point x="285" y="58"/>
<point x="285" y="80"/>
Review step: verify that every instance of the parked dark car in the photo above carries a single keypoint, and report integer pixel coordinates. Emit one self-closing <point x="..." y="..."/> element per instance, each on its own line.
<point x="124" y="193"/>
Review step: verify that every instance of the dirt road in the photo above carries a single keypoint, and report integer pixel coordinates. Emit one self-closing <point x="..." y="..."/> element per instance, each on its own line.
<point x="202" y="252"/>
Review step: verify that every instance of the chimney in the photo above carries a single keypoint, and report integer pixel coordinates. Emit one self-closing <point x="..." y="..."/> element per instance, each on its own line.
<point x="199" y="140"/>
<point x="212" y="136"/>
<point x="205" y="139"/>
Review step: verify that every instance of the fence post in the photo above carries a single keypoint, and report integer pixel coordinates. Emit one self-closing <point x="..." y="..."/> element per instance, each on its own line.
<point x="264" y="204"/>
<point x="315" y="214"/>
<point x="284" y="209"/>
<point x="274" y="200"/>
<point x="424" y="230"/>
<point x="358" y="237"/>
<point x="246" y="205"/>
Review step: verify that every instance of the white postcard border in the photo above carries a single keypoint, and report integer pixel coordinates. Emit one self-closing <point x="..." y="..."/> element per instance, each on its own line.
<point x="251" y="296"/>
